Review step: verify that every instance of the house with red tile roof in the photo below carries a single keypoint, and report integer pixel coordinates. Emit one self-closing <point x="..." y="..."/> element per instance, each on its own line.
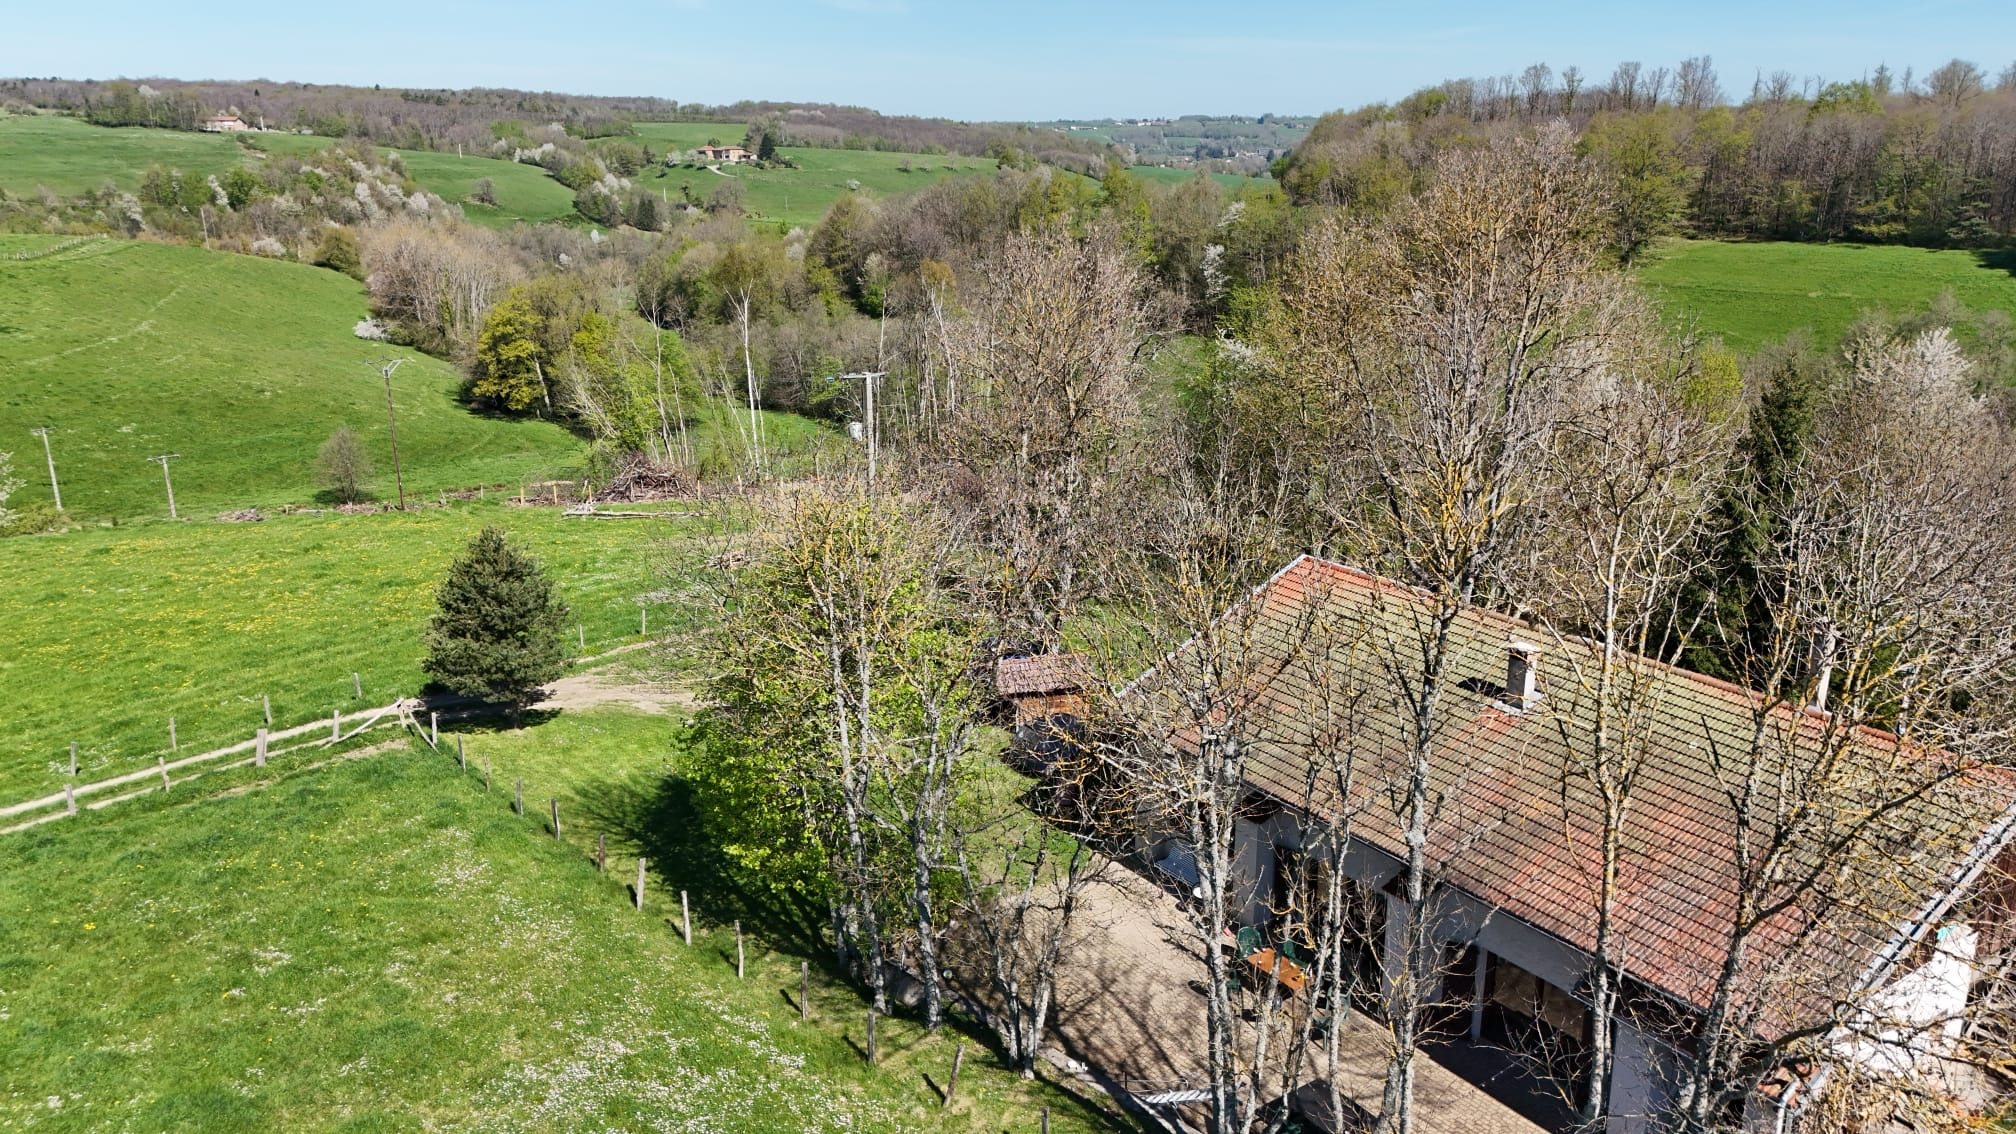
<point x="730" y="155"/>
<point x="1515" y="835"/>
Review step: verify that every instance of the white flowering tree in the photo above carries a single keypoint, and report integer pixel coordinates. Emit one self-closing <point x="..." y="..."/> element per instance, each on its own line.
<point x="9" y="484"/>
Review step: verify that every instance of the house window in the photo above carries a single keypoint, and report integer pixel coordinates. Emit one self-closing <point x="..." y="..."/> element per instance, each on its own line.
<point x="1535" y="1001"/>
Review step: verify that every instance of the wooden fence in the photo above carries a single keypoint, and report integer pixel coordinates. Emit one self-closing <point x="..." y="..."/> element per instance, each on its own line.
<point x="328" y="732"/>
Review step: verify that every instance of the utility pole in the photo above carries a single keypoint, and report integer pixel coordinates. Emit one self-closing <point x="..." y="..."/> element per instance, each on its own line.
<point x="870" y="433"/>
<point x="163" y="460"/>
<point x="392" y="425"/>
<point x="54" y="489"/>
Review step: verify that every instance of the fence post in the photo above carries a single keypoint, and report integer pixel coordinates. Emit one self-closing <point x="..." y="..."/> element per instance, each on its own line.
<point x="871" y="1037"/>
<point x="335" y="725"/>
<point x="1046" y="1120"/>
<point x="73" y="759"/>
<point x="259" y="753"/>
<point x="162" y="763"/>
<point x="518" y="798"/>
<point x="173" y="745"/>
<point x="581" y="636"/>
<point x="640" y="882"/>
<point x="804" y="990"/>
<point x="357" y="685"/>
<point x="556" y="819"/>
<point x="644" y="621"/>
<point x="685" y="919"/>
<point x="738" y="949"/>
<point x="601" y="853"/>
<point x="69" y="800"/>
<point x="952" y="1082"/>
<point x="434" y="731"/>
<point x="267" y="703"/>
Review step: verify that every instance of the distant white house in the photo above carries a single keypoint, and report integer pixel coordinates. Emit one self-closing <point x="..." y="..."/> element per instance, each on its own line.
<point x="729" y="155"/>
<point x="223" y="124"/>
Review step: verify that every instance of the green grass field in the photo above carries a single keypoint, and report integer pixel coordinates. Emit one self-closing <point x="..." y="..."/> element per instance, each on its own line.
<point x="797" y="196"/>
<point x="1751" y="294"/>
<point x="379" y="945"/>
<point x="69" y="155"/>
<point x="241" y="365"/>
<point x="112" y="631"/>
<point x="524" y="192"/>
<point x="1169" y="176"/>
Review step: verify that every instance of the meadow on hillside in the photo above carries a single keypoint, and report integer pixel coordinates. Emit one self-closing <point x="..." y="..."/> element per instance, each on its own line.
<point x="68" y="155"/>
<point x="1171" y="175"/>
<point x="111" y="631"/>
<point x="378" y="944"/>
<point x="523" y="192"/>
<point x="1749" y="294"/>
<point x="241" y="365"/>
<point x="802" y="195"/>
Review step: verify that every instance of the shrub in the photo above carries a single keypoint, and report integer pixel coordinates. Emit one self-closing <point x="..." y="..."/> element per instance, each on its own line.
<point x="337" y="250"/>
<point x="343" y="466"/>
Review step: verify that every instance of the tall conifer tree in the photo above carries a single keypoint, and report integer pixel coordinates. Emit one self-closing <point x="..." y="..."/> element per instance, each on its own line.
<point x="500" y="631"/>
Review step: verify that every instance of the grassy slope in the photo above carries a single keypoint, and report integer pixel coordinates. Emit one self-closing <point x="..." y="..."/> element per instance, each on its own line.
<point x="111" y="631"/>
<point x="524" y="192"/>
<point x="796" y="196"/>
<point x="241" y="365"/>
<point x="69" y="155"/>
<point x="379" y="945"/>
<point x="1169" y="176"/>
<point x="1750" y="294"/>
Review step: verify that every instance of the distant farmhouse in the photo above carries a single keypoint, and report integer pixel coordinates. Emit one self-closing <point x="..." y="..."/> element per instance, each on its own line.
<point x="223" y="124"/>
<point x="730" y="155"/>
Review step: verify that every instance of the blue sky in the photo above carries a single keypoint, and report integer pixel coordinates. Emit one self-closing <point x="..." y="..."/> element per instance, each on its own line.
<point x="1034" y="59"/>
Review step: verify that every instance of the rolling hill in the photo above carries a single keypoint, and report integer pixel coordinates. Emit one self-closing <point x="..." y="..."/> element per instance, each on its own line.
<point x="1751" y="294"/>
<point x="241" y="365"/>
<point x="797" y="196"/>
<point x="380" y="945"/>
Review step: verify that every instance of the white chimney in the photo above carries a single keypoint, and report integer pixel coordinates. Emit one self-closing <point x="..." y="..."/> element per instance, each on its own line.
<point x="1522" y="675"/>
<point x="1823" y="660"/>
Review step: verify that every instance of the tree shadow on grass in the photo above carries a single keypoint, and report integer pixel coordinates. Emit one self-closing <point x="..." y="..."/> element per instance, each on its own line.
<point x="656" y="816"/>
<point x="1997" y="259"/>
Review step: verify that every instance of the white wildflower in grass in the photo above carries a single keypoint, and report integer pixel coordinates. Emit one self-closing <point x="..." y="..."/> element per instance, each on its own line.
<point x="303" y="1011"/>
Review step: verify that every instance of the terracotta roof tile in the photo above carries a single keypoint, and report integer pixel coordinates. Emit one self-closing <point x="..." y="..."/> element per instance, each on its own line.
<point x="1504" y="832"/>
<point x="1044" y="673"/>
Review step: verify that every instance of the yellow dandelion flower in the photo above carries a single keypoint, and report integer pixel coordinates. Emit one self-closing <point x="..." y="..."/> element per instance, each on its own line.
<point x="90" y="925"/>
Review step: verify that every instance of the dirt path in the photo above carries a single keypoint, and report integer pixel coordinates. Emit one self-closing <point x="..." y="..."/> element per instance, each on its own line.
<point x="589" y="690"/>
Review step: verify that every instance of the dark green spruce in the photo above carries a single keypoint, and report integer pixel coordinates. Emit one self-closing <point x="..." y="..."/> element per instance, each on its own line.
<point x="500" y="631"/>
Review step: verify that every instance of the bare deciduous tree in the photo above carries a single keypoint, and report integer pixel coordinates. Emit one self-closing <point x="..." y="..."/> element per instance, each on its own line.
<point x="1049" y="361"/>
<point x="344" y="466"/>
<point x="1893" y="608"/>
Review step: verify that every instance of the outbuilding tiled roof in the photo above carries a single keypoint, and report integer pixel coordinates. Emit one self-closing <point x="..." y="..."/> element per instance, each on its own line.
<point x="1326" y="646"/>
<point x="1044" y="673"/>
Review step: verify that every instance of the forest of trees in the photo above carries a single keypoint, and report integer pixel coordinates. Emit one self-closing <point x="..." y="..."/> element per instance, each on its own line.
<point x="1890" y="158"/>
